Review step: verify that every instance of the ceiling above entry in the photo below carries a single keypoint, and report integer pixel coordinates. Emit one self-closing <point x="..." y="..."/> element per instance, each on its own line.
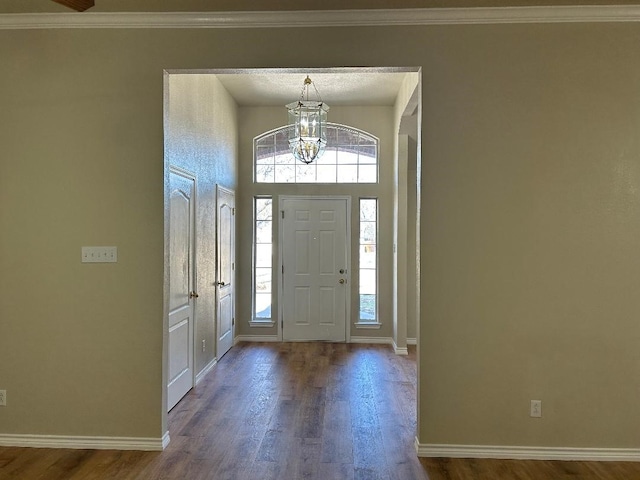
<point x="78" y="5"/>
<point x="340" y="86"/>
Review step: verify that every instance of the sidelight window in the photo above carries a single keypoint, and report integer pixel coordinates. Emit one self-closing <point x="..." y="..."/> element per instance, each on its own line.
<point x="368" y="261"/>
<point x="262" y="259"/>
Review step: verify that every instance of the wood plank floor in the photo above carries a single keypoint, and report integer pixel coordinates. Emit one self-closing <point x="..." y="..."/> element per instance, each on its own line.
<point x="295" y="411"/>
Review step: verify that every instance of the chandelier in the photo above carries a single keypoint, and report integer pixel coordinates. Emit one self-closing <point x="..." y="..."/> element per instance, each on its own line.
<point x="308" y="136"/>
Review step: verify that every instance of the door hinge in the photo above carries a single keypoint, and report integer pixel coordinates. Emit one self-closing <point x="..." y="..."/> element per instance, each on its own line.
<point x="233" y="321"/>
<point x="282" y="268"/>
<point x="233" y="211"/>
<point x="282" y="212"/>
<point x="233" y="265"/>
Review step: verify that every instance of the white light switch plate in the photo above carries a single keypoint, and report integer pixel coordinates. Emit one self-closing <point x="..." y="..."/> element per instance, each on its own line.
<point x="99" y="254"/>
<point x="536" y="409"/>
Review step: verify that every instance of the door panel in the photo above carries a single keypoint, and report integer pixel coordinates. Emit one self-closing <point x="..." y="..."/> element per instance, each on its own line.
<point x="314" y="236"/>
<point x="179" y="344"/>
<point x="181" y="283"/>
<point x="225" y="317"/>
<point x="179" y="242"/>
<point x="226" y="269"/>
<point x="303" y="306"/>
<point x="327" y="301"/>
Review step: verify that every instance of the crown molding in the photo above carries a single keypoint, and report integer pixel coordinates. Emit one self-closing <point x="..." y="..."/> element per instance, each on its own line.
<point x="324" y="18"/>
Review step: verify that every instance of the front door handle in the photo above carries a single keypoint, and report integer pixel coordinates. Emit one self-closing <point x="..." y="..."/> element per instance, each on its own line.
<point x="342" y="280"/>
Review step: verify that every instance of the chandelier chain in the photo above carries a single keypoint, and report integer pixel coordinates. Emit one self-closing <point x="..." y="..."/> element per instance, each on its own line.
<point x="305" y="90"/>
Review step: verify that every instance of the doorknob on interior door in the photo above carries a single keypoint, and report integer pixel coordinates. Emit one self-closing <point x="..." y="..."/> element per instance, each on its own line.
<point x="222" y="284"/>
<point x="193" y="295"/>
<point x="342" y="280"/>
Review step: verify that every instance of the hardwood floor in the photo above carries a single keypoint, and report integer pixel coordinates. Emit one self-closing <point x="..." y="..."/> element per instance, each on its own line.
<point x="295" y="411"/>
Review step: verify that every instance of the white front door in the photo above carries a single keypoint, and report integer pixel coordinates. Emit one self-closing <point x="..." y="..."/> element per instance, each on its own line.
<point x="181" y="285"/>
<point x="226" y="268"/>
<point x="314" y="268"/>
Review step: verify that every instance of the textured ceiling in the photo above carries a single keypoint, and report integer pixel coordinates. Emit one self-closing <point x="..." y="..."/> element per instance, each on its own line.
<point x="336" y="87"/>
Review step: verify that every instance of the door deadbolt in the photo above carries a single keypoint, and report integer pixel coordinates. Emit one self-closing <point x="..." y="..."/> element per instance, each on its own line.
<point x="342" y="270"/>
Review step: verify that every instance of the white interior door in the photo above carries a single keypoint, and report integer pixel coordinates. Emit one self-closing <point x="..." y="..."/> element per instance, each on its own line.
<point x="314" y="268"/>
<point x="181" y="285"/>
<point x="226" y="269"/>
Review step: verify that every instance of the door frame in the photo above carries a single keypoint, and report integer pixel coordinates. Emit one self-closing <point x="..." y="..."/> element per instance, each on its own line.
<point x="280" y="278"/>
<point x="194" y="265"/>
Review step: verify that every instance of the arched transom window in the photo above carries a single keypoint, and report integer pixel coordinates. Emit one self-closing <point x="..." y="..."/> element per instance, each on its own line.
<point x="351" y="156"/>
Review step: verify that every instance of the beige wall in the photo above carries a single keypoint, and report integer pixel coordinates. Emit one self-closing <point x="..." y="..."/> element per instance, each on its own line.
<point x="530" y="207"/>
<point x="377" y="121"/>
<point x="81" y="164"/>
<point x="530" y="221"/>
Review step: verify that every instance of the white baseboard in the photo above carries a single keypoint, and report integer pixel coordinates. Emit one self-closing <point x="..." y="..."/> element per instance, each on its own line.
<point x="528" y="453"/>
<point x="90" y="443"/>
<point x="353" y="339"/>
<point x="412" y="341"/>
<point x="376" y="340"/>
<point x="400" y="350"/>
<point x="256" y="338"/>
<point x="381" y="341"/>
<point x="205" y="370"/>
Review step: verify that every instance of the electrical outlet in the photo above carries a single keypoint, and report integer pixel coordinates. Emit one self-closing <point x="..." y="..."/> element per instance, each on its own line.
<point x="536" y="408"/>
<point x="204" y="345"/>
<point x="3" y="398"/>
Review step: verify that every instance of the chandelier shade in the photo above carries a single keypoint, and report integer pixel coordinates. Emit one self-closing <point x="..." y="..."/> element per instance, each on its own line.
<point x="308" y="137"/>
